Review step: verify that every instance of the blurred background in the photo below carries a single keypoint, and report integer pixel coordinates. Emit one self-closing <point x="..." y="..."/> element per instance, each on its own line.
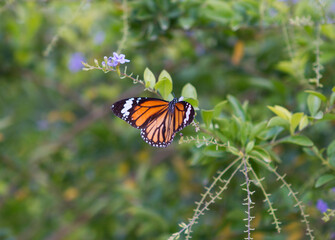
<point x="70" y="169"/>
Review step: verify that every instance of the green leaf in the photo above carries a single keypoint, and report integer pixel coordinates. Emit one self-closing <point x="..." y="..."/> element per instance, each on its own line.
<point x="149" y="78"/>
<point x="218" y="108"/>
<point x="258" y="129"/>
<point x="237" y="107"/>
<point x="295" y="120"/>
<point x="318" y="116"/>
<point x="331" y="153"/>
<point x="261" y="154"/>
<point x="212" y="153"/>
<point x="285" y="66"/>
<point x="170" y="97"/>
<point x="249" y="146"/>
<point x="278" y="121"/>
<point x="281" y="112"/>
<point x="293" y="66"/>
<point x="309" y="152"/>
<point x="164" y="84"/>
<point x="244" y="132"/>
<point x="332" y="98"/>
<point x="193" y="102"/>
<point x="207" y="116"/>
<point x="164" y="74"/>
<point x="217" y="11"/>
<point x="233" y="150"/>
<point x="333" y="89"/>
<point x="273" y="132"/>
<point x="331" y="160"/>
<point x="317" y="94"/>
<point x="189" y="91"/>
<point x="303" y="122"/>
<point x="299" y="140"/>
<point x="328" y="30"/>
<point x="313" y="103"/>
<point x="331" y="148"/>
<point x="324" y="179"/>
<point x="186" y="22"/>
<point x="328" y="117"/>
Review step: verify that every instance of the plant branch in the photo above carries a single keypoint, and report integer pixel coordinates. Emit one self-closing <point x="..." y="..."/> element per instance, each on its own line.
<point x="203" y="205"/>
<point x="247" y="200"/>
<point x="122" y="75"/>
<point x="299" y="204"/>
<point x="267" y="199"/>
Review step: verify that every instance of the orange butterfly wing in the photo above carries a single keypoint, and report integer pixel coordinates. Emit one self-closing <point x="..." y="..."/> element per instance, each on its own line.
<point x="158" y="120"/>
<point x="138" y="111"/>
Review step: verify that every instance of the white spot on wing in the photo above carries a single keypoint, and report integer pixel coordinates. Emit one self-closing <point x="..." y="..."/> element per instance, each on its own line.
<point x="126" y="107"/>
<point x="187" y="115"/>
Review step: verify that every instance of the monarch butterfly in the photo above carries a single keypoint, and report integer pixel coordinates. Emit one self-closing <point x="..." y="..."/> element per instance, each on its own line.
<point x="159" y="120"/>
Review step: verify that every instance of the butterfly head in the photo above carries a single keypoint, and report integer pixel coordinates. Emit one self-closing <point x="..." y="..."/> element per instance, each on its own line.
<point x="172" y="104"/>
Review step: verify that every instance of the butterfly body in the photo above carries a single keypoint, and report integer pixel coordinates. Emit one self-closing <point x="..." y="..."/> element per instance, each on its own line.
<point x="159" y="120"/>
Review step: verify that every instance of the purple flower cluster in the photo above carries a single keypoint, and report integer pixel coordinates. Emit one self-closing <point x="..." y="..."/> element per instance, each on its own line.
<point x="322" y="206"/>
<point x="116" y="60"/>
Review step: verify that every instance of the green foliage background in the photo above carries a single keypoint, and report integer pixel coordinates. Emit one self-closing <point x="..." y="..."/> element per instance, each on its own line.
<point x="69" y="169"/>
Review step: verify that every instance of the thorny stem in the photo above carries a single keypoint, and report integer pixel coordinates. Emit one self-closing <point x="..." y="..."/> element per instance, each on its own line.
<point x="136" y="80"/>
<point x="124" y="75"/>
<point x="309" y="231"/>
<point x="267" y="199"/>
<point x="248" y="198"/>
<point x="197" y="212"/>
<point x="209" y="141"/>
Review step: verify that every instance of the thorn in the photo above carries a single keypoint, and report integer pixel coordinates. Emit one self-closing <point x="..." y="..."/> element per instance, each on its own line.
<point x="221" y="180"/>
